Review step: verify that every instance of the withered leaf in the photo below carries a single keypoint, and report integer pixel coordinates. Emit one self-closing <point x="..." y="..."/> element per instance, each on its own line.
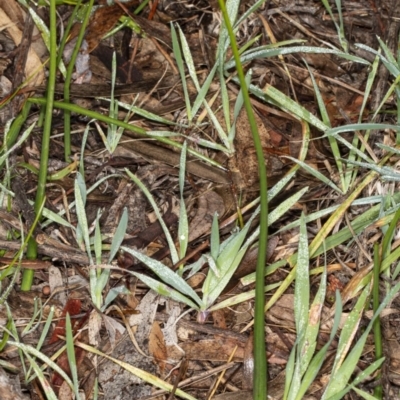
<point x="209" y="203"/>
<point x="157" y="347"/>
<point x="103" y="20"/>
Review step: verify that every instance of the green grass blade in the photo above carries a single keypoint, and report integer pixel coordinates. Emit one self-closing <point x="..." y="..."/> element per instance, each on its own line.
<point x="47" y="389"/>
<point x="276" y="213"/>
<point x="28" y="274"/>
<point x="360" y="127"/>
<point x="163" y="290"/>
<point x="260" y="362"/>
<point x="68" y="78"/>
<point x="309" y="343"/>
<point x="301" y="307"/>
<point x="125" y="125"/>
<point x="325" y="118"/>
<point x="71" y="355"/>
<point x="181" y="68"/>
<point x="46" y="34"/>
<point x="302" y="287"/>
<point x="188" y="59"/>
<point x="201" y="96"/>
<point x="273" y="52"/>
<point x="144" y="113"/>
<point x="119" y="235"/>
<point x="232" y="7"/>
<point x="97" y="240"/>
<point x="341" y="33"/>
<point x="290" y="373"/>
<point x="276" y="97"/>
<point x="80" y="199"/>
<point x="240" y="298"/>
<point x="214" y="239"/>
<point x="316" y="174"/>
<point x="11" y="132"/>
<point x="183" y="227"/>
<point x="391" y="66"/>
<point x="113" y="294"/>
<point x="143" y="188"/>
<point x="33" y="352"/>
<point x="231" y="253"/>
<point x="21" y="140"/>
<point x="341" y="372"/>
<point x="369" y="371"/>
<point x="317" y="361"/>
<point x="165" y="274"/>
<point x="378" y="390"/>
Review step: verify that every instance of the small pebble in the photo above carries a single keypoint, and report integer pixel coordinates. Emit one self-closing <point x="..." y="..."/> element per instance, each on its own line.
<point x="46" y="290"/>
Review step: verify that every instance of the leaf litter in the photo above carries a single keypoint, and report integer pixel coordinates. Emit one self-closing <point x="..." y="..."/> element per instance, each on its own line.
<point x="131" y="340"/>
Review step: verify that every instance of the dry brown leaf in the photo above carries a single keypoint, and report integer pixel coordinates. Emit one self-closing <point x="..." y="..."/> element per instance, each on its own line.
<point x="248" y="364"/>
<point x="243" y="164"/>
<point x="144" y="320"/>
<point x="209" y="203"/>
<point x="56" y="283"/>
<point x="282" y="311"/>
<point x="94" y="325"/>
<point x="114" y="329"/>
<point x="8" y="389"/>
<point x="219" y="319"/>
<point x="34" y="66"/>
<point x="65" y="392"/>
<point x="102" y="21"/>
<point x="157" y="347"/>
<point x="241" y="395"/>
<point x="213" y="350"/>
<point x="196" y="280"/>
